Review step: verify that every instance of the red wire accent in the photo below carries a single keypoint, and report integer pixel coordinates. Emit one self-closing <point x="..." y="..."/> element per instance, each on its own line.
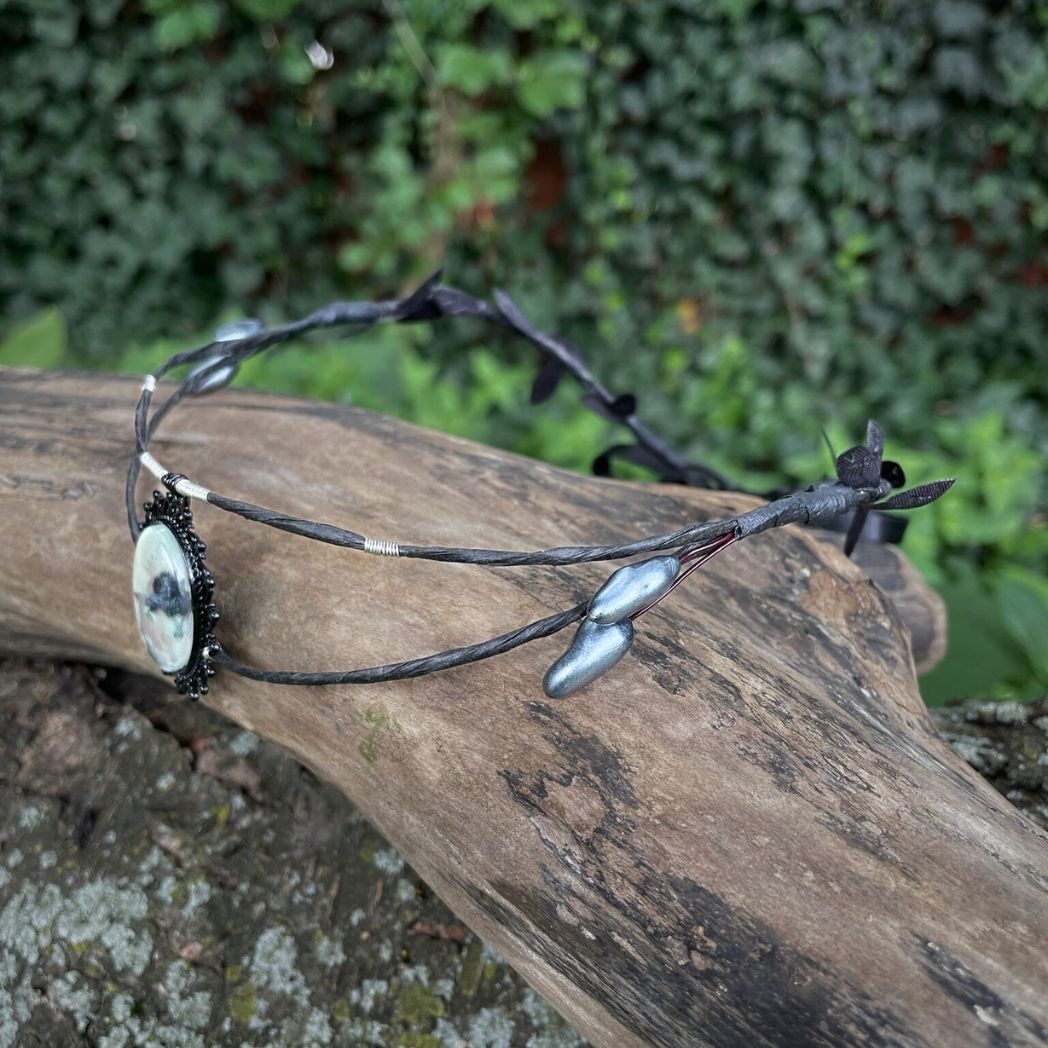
<point x="698" y="555"/>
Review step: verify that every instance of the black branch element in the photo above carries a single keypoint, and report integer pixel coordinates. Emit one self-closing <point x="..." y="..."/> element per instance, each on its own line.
<point x="864" y="481"/>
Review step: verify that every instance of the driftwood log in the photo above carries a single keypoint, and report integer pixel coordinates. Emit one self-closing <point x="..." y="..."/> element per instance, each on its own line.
<point x="747" y="834"/>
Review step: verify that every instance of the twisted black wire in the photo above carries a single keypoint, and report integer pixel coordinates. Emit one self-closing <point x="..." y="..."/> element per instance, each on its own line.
<point x="443" y="660"/>
<point x="431" y="301"/>
<point x="816" y="506"/>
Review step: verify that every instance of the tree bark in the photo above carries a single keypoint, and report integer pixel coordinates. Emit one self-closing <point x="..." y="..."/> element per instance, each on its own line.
<point x="747" y="834"/>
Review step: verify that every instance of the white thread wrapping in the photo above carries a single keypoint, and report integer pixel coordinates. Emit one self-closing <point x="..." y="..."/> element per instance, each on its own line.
<point x="152" y="465"/>
<point x="381" y="547"/>
<point x="183" y="486"/>
<point x="191" y="490"/>
<point x="149" y="383"/>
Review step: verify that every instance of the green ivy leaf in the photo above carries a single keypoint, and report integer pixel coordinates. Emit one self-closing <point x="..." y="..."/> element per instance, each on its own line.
<point x="186" y="24"/>
<point x="736" y="10"/>
<point x="471" y="69"/>
<point x="266" y="10"/>
<point x="1022" y="597"/>
<point x="295" y="64"/>
<point x="38" y="342"/>
<point x="551" y="80"/>
<point x="982" y="652"/>
<point x="526" y="14"/>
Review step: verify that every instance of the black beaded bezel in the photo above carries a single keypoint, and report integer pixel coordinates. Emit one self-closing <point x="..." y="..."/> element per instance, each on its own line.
<point x="172" y="510"/>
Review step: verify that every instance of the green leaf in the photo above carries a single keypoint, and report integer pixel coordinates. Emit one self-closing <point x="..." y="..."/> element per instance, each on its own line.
<point x="186" y="24"/>
<point x="471" y="69"/>
<point x="294" y="63"/>
<point x="266" y="10"/>
<point x="551" y="80"/>
<point x="981" y="654"/>
<point x="526" y="14"/>
<point x="38" y="342"/>
<point x="1022" y="597"/>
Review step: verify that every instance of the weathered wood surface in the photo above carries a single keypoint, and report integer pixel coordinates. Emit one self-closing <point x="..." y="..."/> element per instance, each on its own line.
<point x="919" y="606"/>
<point x="747" y="834"/>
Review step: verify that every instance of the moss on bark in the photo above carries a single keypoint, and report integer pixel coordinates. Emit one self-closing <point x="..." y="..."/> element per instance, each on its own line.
<point x="169" y="879"/>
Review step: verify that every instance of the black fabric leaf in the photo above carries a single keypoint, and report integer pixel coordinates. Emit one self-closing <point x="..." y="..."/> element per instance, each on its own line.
<point x="602" y="463"/>
<point x="875" y="439"/>
<point x="893" y="473"/>
<point x="918" y="496"/>
<point x="858" y="467"/>
<point x="456" y="303"/>
<point x="639" y="456"/>
<point x="419" y="304"/>
<point x="547" y="380"/>
<point x="855" y="529"/>
<point x="595" y="403"/>
<point x="614" y="411"/>
<point x="696" y="476"/>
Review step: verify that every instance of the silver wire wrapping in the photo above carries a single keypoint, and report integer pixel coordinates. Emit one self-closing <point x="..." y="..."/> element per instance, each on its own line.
<point x="381" y="547"/>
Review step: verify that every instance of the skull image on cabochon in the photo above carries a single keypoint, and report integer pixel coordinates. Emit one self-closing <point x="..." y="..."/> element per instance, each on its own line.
<point x="162" y="586"/>
<point x="172" y="590"/>
<point x="168" y="596"/>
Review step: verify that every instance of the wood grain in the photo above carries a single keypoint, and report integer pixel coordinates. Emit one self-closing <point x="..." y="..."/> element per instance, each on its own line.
<point x="748" y="834"/>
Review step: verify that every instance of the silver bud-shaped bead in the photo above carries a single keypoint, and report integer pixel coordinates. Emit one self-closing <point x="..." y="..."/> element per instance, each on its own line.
<point x="594" y="650"/>
<point x="633" y="588"/>
<point x="231" y="332"/>
<point x="238" y="329"/>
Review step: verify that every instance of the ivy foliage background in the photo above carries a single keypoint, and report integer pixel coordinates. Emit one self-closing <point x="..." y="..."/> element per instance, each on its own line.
<point x="765" y="218"/>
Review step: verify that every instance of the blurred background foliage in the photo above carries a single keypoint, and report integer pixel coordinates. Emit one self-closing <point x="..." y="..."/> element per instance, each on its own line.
<point x="765" y="218"/>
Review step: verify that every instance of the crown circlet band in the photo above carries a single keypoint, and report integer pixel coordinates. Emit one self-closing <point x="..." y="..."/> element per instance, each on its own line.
<point x="173" y="588"/>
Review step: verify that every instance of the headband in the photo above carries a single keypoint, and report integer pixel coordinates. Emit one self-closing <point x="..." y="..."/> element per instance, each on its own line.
<point x="174" y="591"/>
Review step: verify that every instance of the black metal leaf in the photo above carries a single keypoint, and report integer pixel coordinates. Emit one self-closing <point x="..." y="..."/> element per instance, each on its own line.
<point x="918" y="496"/>
<point x="623" y="405"/>
<point x="547" y="380"/>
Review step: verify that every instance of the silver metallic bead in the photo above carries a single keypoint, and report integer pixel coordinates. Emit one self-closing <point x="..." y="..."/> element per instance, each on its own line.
<point x="632" y="588"/>
<point x="231" y="332"/>
<point x="238" y="329"/>
<point x="594" y="650"/>
<point x="217" y="378"/>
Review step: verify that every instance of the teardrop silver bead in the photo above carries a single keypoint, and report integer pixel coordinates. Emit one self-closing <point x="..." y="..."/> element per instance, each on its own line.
<point x="594" y="650"/>
<point x="632" y="588"/>
<point x="231" y="332"/>
<point x="238" y="329"/>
